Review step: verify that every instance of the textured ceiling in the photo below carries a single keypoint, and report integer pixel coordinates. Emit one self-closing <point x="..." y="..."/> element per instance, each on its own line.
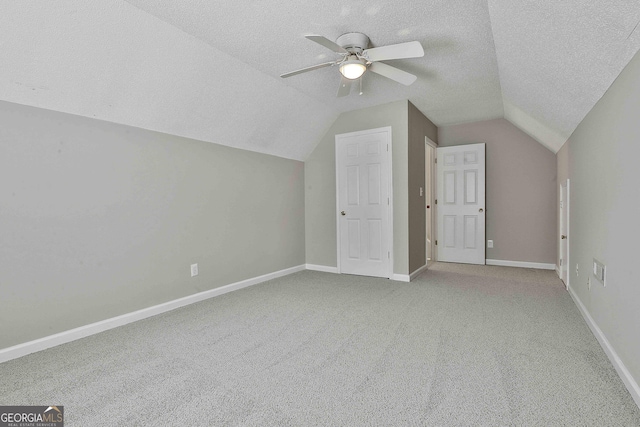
<point x="210" y="70"/>
<point x="557" y="58"/>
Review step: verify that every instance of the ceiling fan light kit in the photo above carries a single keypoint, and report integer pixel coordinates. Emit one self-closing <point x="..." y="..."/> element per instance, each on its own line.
<point x="353" y="68"/>
<point x="357" y="58"/>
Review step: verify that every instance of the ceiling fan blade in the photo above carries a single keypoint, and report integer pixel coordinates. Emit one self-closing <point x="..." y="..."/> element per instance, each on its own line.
<point x="393" y="73"/>
<point x="304" y="70"/>
<point x="345" y="87"/>
<point x="394" y="51"/>
<point x="327" y="43"/>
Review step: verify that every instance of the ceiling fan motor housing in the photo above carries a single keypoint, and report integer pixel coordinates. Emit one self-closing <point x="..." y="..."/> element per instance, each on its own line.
<point x="353" y="42"/>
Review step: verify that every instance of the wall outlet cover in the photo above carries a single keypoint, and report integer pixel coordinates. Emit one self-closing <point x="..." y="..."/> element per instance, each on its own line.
<point x="489" y="243"/>
<point x="194" y="270"/>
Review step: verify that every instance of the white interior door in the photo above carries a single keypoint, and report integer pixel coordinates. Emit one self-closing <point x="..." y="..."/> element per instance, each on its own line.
<point x="429" y="191"/>
<point x="461" y="203"/>
<point x="564" y="232"/>
<point x="363" y="181"/>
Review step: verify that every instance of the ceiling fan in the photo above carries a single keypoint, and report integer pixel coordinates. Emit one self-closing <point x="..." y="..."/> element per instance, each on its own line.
<point x="355" y="59"/>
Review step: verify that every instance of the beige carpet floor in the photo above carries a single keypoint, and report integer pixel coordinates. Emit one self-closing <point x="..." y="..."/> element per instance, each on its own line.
<point x="459" y="346"/>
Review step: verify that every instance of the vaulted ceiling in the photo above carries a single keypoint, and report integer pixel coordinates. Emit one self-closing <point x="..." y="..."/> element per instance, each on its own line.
<point x="209" y="70"/>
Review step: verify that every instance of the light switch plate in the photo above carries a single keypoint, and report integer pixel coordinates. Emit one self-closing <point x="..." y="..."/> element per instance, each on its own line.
<point x="599" y="271"/>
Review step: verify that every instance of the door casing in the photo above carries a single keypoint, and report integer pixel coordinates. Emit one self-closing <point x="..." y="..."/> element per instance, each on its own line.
<point x="430" y="190"/>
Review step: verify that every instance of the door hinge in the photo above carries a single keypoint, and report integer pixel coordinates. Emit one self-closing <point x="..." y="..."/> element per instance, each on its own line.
<point x="436" y="243"/>
<point x="436" y="201"/>
<point x="435" y="160"/>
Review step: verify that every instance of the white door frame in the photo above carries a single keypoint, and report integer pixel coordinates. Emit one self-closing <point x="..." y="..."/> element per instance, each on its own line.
<point x="386" y="129"/>
<point x="564" y="216"/>
<point x="430" y="181"/>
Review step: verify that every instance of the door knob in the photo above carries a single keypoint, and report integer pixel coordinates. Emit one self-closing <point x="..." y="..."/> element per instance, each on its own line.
<point x="563" y="237"/>
<point x="343" y="213"/>
<point x="481" y="210"/>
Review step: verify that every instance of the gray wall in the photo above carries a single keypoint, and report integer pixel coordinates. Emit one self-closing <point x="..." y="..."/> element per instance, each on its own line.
<point x="521" y="191"/>
<point x="320" y="180"/>
<point x="419" y="127"/>
<point x="99" y="219"/>
<point x="602" y="160"/>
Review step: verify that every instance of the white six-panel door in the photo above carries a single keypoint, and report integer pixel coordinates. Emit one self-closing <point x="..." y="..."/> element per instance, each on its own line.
<point x="564" y="233"/>
<point x="363" y="180"/>
<point x="461" y="204"/>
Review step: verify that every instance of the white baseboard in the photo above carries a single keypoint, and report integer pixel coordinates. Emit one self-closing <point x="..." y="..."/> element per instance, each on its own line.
<point x="324" y="268"/>
<point x="622" y="370"/>
<point x="417" y="272"/>
<point x="397" y="277"/>
<point x="103" y="325"/>
<point x="523" y="264"/>
<point x="408" y="277"/>
<point x="558" y="272"/>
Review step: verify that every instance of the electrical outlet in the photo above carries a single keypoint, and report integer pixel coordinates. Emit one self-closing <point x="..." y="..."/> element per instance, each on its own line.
<point x="489" y="243"/>
<point x="194" y="270"/>
<point x="577" y="272"/>
<point x="589" y="283"/>
<point x="421" y="191"/>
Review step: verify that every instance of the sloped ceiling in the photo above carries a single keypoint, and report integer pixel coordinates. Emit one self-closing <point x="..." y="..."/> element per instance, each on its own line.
<point x="557" y="58"/>
<point x="210" y="70"/>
